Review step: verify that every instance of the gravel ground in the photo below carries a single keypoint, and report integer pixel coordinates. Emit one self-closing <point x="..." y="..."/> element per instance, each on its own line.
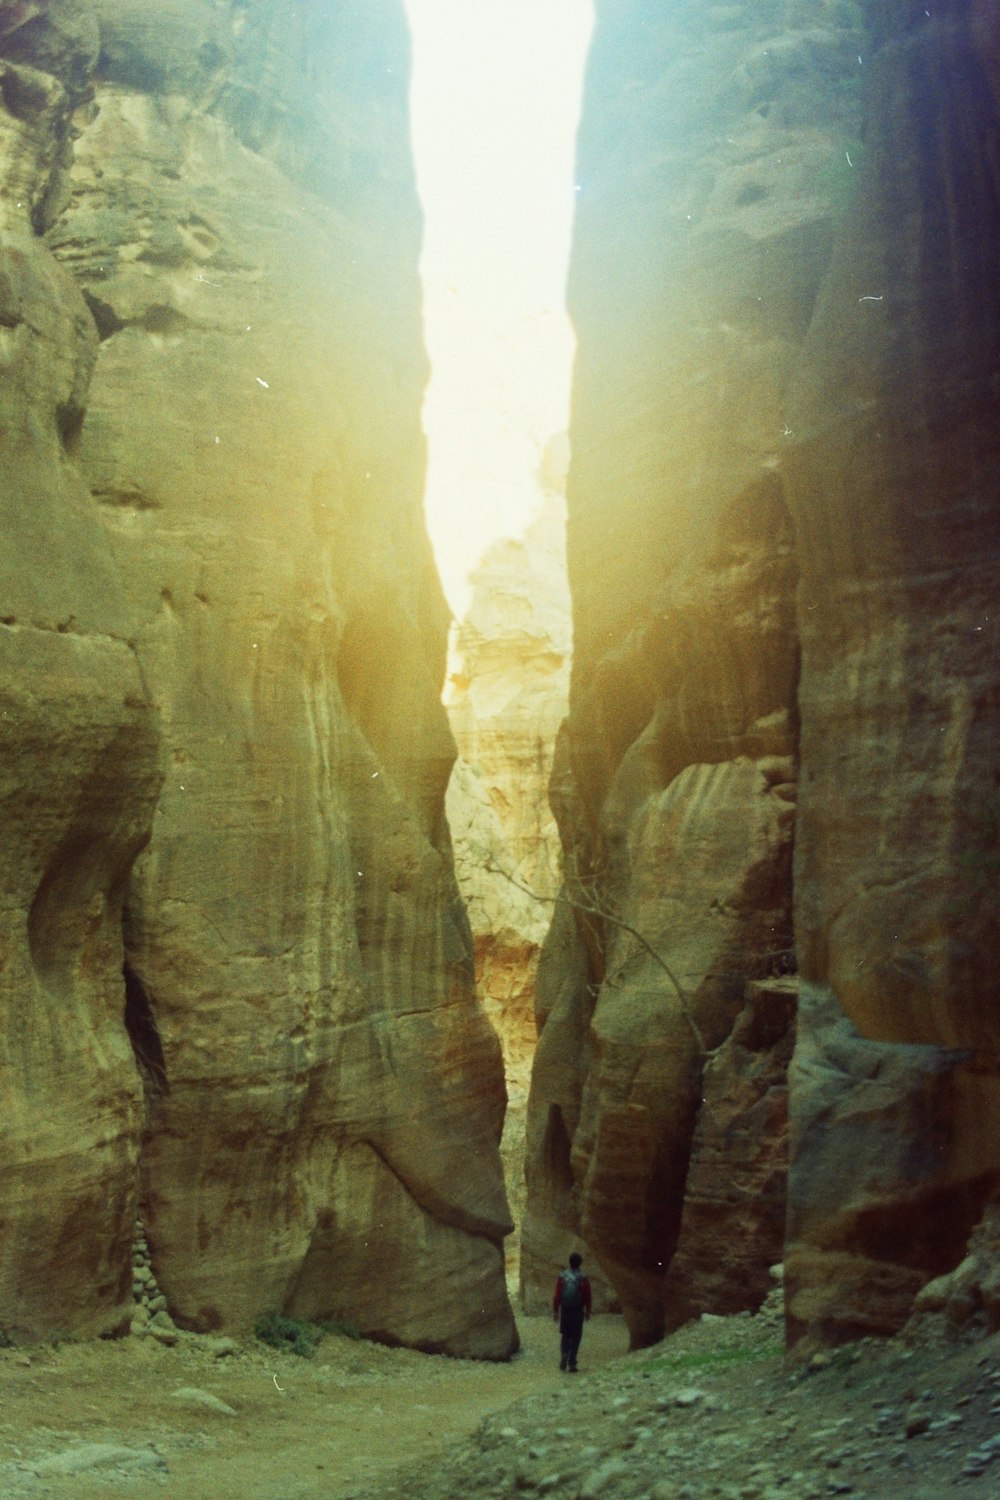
<point x="714" y="1414"/>
<point x="711" y="1414"/>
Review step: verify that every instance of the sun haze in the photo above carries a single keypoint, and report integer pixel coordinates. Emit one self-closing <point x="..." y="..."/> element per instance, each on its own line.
<point x="495" y="104"/>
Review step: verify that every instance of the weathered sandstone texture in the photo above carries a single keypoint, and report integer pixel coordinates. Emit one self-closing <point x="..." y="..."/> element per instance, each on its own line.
<point x="79" y="758"/>
<point x="966" y="1299"/>
<point x="733" y="1221"/>
<point x="712" y="165"/>
<point x="222" y="511"/>
<point x="894" y="479"/>
<point x="506" y="697"/>
<point x="784" y="545"/>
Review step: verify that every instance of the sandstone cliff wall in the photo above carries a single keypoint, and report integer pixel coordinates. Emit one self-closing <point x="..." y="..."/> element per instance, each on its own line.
<point x="231" y="243"/>
<point x="711" y="166"/>
<point x="893" y="482"/>
<point x="782" y="548"/>
<point x="80" y="767"/>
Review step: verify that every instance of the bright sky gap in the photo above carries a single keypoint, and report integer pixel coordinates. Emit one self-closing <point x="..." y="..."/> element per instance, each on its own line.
<point x="495" y="103"/>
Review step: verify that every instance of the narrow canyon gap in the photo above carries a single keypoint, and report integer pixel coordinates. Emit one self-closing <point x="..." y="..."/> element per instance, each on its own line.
<point x="495" y="103"/>
<point x="236" y="977"/>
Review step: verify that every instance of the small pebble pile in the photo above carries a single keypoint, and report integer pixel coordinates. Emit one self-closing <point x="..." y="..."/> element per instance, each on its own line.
<point x="150" y="1318"/>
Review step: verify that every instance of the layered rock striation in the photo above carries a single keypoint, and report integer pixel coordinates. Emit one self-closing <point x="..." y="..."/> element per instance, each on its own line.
<point x="893" y="482"/>
<point x="81" y="764"/>
<point x="226" y="241"/>
<point x="711" y="165"/>
<point x="783" y="552"/>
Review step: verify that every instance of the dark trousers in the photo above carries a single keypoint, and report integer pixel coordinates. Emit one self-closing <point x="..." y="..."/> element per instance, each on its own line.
<point x="571" y="1332"/>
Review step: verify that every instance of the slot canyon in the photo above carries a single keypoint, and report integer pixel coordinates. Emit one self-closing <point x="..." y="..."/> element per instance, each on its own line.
<point x="707" y="911"/>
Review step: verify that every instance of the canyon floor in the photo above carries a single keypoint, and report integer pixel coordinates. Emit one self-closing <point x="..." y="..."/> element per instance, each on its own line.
<point x="711" y="1412"/>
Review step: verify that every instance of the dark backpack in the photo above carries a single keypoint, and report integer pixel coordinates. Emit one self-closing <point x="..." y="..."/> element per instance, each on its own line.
<point x="572" y="1289"/>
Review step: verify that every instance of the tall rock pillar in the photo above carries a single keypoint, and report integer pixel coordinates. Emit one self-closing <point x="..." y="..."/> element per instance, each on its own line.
<point x="79" y="745"/>
<point x="894" y="477"/>
<point x="233" y="233"/>
<point x="711" y="171"/>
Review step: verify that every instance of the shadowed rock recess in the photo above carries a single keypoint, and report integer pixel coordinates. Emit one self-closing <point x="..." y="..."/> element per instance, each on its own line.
<point x="222" y="643"/>
<point x="784" y="546"/>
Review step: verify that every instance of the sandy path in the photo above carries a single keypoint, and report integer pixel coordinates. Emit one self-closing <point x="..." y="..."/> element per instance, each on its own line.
<point x="338" y="1421"/>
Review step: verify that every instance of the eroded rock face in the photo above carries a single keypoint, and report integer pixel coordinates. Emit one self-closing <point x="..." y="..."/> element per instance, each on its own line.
<point x="893" y="485"/>
<point x="79" y="769"/>
<point x="836" y="649"/>
<point x="735" y="1192"/>
<point x="710" y="182"/>
<point x="323" y="1097"/>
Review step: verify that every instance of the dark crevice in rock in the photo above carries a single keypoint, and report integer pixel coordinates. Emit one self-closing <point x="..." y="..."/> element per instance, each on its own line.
<point x="24" y="93"/>
<point x="107" y="320"/>
<point x="159" y="318"/>
<point x="144" y="1035"/>
<point x="124" y="497"/>
<point x="556" y="1151"/>
<point x="69" y="421"/>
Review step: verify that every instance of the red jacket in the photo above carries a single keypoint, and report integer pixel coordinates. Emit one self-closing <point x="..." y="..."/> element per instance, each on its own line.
<point x="584" y="1294"/>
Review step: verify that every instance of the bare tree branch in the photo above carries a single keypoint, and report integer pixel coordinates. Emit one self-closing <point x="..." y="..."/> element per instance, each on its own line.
<point x="594" y="909"/>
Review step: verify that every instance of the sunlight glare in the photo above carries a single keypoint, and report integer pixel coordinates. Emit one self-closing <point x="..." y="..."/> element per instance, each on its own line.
<point x="495" y="102"/>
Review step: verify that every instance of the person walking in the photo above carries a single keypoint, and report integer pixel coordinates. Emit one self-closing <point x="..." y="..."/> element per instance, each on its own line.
<point x="570" y="1307"/>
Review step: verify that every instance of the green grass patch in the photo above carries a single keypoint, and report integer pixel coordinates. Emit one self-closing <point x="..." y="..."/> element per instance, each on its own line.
<point x="291" y="1335"/>
<point x="715" y="1359"/>
<point x="296" y="1336"/>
